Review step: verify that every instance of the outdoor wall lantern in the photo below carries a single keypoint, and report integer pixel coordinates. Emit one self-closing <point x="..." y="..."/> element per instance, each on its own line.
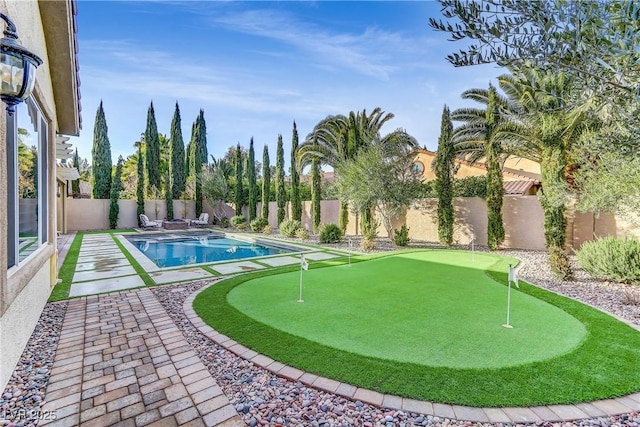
<point x="17" y="68"/>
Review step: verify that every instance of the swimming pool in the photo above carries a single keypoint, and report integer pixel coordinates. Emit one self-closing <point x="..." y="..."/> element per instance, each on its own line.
<point x="174" y="250"/>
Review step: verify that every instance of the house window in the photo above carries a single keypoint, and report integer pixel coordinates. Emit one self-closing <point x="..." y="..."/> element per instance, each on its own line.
<point x="417" y="168"/>
<point x="27" y="169"/>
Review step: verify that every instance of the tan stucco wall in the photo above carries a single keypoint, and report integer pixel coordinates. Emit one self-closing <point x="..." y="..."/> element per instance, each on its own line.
<point x="522" y="165"/>
<point x="24" y="289"/>
<point x="20" y="319"/>
<point x="588" y="226"/>
<point x="466" y="169"/>
<point x="523" y="220"/>
<point x="93" y="214"/>
<point x="522" y="215"/>
<point x="470" y="218"/>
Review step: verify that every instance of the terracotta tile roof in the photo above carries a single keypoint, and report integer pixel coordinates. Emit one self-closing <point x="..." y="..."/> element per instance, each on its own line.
<point x="518" y="188"/>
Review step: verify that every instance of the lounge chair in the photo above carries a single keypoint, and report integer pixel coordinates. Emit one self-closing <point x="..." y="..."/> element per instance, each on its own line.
<point x="146" y="223"/>
<point x="202" y="221"/>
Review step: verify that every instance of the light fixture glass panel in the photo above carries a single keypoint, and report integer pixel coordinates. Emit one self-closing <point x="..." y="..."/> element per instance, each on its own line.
<point x="31" y="80"/>
<point x="12" y="74"/>
<point x="5" y="73"/>
<point x="17" y="78"/>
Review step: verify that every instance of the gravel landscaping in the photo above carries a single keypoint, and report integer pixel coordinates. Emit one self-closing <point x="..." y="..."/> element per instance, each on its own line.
<point x="262" y="398"/>
<point x="25" y="392"/>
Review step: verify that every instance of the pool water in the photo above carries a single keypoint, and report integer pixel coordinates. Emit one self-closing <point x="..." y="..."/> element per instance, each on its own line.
<point x="196" y="249"/>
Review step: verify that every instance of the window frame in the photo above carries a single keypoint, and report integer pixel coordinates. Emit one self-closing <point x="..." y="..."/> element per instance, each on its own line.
<point x="30" y="106"/>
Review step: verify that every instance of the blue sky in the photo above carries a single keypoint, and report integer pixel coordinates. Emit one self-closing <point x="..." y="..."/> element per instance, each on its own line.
<point x="255" y="67"/>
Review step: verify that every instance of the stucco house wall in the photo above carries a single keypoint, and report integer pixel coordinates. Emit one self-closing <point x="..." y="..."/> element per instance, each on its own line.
<point x="515" y="169"/>
<point x="24" y="288"/>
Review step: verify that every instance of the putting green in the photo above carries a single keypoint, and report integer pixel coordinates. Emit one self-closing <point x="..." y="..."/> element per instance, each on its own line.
<point x="431" y="308"/>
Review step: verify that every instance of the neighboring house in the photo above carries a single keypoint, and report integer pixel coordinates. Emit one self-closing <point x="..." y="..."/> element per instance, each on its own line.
<point x="28" y="218"/>
<point x="325" y="177"/>
<point x="521" y="177"/>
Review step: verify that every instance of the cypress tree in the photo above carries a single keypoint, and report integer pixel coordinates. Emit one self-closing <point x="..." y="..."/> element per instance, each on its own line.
<point x="200" y="155"/>
<point x="238" y="195"/>
<point x="177" y="156"/>
<point x="201" y="152"/>
<point x="188" y="157"/>
<point x="153" y="151"/>
<point x="444" y="176"/>
<point x="168" y="195"/>
<point x="101" y="157"/>
<point x="315" y="191"/>
<point x="116" y="187"/>
<point x="280" y="193"/>
<point x="495" y="189"/>
<point x="251" y="175"/>
<point x="140" y="184"/>
<point x="75" y="184"/>
<point x="296" y="202"/>
<point x="266" y="182"/>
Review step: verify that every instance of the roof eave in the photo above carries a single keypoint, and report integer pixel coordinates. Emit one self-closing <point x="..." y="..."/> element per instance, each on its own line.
<point x="59" y="26"/>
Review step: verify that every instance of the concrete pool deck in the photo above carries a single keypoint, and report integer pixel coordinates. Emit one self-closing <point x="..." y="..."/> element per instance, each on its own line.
<point x="103" y="267"/>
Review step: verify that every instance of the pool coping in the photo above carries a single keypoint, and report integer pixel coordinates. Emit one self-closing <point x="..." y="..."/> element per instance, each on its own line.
<point x="534" y="414"/>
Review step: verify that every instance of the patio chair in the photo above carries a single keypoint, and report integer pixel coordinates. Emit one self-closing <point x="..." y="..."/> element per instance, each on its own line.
<point x="202" y="221"/>
<point x="146" y="223"/>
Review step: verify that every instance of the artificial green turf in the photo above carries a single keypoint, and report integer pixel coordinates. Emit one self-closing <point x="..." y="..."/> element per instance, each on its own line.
<point x="146" y="278"/>
<point x="409" y="308"/>
<point x="604" y="365"/>
<point x="65" y="275"/>
<point x="61" y="290"/>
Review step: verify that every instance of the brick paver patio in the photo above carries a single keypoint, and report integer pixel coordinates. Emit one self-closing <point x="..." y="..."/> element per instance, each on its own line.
<point x="122" y="361"/>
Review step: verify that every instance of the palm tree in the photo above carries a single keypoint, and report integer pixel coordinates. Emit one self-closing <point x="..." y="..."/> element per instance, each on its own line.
<point x="340" y="138"/>
<point x="544" y="130"/>
<point x="533" y="121"/>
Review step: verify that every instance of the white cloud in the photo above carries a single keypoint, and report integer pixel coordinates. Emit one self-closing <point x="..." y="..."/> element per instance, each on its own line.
<point x="372" y="52"/>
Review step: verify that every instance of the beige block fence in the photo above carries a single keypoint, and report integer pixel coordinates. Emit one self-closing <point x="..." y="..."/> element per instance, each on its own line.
<point x="522" y="217"/>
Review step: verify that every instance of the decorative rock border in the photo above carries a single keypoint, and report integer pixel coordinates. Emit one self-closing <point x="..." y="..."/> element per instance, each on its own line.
<point x="536" y="414"/>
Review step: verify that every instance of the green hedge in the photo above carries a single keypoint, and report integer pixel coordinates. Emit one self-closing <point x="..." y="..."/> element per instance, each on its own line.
<point x="472" y="186"/>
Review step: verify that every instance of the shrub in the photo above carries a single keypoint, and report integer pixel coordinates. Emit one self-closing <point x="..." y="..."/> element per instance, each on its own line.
<point x="369" y="233"/>
<point x="330" y="233"/>
<point x="559" y="263"/>
<point x="630" y="297"/>
<point x="611" y="258"/>
<point x="237" y="220"/>
<point x="401" y="237"/>
<point x="302" y="234"/>
<point x="242" y="226"/>
<point x="288" y="228"/>
<point x="259" y="224"/>
<point x="367" y="244"/>
<point x="370" y="229"/>
<point x="267" y="229"/>
<point x="224" y="222"/>
<point x="471" y="186"/>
